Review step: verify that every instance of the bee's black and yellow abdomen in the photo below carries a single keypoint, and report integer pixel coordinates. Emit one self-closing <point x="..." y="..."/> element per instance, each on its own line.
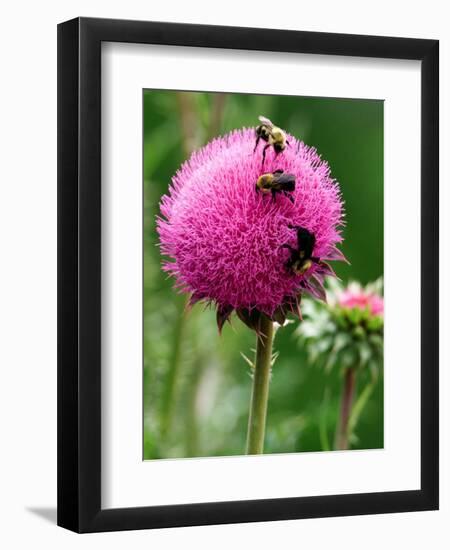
<point x="302" y="257"/>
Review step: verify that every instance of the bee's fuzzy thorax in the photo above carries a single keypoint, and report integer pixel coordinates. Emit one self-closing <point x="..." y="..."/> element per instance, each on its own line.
<point x="224" y="241"/>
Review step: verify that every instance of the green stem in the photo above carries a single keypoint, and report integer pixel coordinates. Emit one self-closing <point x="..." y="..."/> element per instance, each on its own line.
<point x="323" y="435"/>
<point x="188" y="120"/>
<point x="260" y="389"/>
<point x="359" y="405"/>
<point x="194" y="377"/>
<point x="168" y="395"/>
<point x="189" y="142"/>
<point x="215" y="120"/>
<point x="342" y="432"/>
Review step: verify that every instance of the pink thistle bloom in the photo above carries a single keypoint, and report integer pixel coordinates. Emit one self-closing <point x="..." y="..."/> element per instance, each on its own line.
<point x="359" y="298"/>
<point x="225" y="238"/>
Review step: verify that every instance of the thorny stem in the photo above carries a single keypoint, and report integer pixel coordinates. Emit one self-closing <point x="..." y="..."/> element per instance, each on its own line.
<point x="260" y="389"/>
<point x="348" y="390"/>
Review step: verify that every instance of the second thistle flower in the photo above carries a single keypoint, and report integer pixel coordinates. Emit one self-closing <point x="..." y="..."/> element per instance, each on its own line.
<point x="348" y="331"/>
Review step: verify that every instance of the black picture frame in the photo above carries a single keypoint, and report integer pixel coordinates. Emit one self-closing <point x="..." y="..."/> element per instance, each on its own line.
<point x="79" y="274"/>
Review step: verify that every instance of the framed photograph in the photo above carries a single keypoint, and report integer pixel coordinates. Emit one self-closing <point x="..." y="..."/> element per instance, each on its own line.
<point x="247" y="275"/>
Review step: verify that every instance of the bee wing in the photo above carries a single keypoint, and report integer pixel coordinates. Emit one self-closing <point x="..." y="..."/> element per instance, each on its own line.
<point x="286" y="181"/>
<point x="266" y="121"/>
<point x="285" y="178"/>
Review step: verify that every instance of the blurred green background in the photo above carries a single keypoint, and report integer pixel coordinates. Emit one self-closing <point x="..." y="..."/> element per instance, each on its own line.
<point x="196" y="384"/>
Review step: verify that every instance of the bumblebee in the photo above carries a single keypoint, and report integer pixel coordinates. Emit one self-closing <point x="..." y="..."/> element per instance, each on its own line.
<point x="272" y="135"/>
<point x="301" y="258"/>
<point x="276" y="182"/>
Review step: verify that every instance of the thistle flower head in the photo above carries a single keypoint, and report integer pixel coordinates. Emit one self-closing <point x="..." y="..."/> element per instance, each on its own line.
<point x="226" y="241"/>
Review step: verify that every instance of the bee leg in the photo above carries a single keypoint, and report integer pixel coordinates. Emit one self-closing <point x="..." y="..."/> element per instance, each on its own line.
<point x="287" y="143"/>
<point x="264" y="153"/>
<point x="273" y="195"/>
<point x="288" y="196"/>
<point x="256" y="144"/>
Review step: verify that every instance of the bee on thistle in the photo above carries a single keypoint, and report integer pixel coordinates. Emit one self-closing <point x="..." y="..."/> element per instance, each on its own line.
<point x="276" y="182"/>
<point x="302" y="258"/>
<point x="273" y="136"/>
